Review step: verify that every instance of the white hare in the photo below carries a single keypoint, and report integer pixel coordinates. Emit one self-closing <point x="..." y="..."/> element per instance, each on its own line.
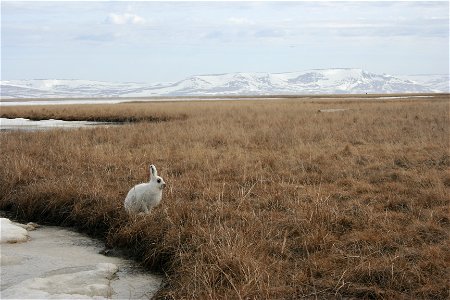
<point x="144" y="196"/>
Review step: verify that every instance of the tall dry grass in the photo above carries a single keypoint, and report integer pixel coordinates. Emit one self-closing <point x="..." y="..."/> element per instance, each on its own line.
<point x="265" y="199"/>
<point x="96" y="113"/>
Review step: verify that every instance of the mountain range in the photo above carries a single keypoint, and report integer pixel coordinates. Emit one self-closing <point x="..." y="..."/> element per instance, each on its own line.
<point x="323" y="81"/>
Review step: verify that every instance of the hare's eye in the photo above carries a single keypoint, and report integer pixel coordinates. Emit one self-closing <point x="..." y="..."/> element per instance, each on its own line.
<point x="159" y="180"/>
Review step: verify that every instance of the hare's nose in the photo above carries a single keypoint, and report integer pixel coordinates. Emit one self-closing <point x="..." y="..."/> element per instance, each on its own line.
<point x="163" y="185"/>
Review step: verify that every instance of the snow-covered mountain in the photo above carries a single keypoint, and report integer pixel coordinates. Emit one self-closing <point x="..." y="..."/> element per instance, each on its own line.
<point x="325" y="81"/>
<point x="52" y="88"/>
<point x="438" y="83"/>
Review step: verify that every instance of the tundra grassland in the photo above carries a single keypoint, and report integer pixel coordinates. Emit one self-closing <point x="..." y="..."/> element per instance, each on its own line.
<point x="265" y="199"/>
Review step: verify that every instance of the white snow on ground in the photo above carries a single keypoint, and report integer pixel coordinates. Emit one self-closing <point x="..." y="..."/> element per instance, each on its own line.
<point x="89" y="284"/>
<point x="332" y="109"/>
<point x="12" y="233"/>
<point x="57" y="263"/>
<point x="402" y="97"/>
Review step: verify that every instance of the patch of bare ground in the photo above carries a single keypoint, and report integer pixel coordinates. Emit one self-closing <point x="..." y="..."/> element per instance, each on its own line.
<point x="265" y="199"/>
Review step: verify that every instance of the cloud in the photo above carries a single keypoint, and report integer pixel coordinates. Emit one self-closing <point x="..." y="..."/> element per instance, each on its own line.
<point x="240" y="21"/>
<point x="270" y="33"/>
<point x="123" y="19"/>
<point x="216" y="34"/>
<point x="96" y="37"/>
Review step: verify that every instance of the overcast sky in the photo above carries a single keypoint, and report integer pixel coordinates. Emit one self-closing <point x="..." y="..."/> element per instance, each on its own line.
<point x="168" y="41"/>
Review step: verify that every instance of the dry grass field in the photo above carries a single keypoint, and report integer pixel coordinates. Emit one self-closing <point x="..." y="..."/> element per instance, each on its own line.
<point x="265" y="199"/>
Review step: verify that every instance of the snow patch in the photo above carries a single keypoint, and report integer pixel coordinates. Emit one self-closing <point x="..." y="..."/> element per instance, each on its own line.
<point x="26" y="124"/>
<point x="12" y="233"/>
<point x="403" y="97"/>
<point x="326" y="110"/>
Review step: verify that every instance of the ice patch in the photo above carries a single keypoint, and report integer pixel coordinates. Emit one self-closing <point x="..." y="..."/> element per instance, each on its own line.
<point x="88" y="284"/>
<point x="63" y="264"/>
<point x="12" y="233"/>
<point x="6" y="260"/>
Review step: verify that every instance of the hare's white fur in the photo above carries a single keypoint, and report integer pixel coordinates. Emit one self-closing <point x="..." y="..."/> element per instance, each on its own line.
<point x="144" y="196"/>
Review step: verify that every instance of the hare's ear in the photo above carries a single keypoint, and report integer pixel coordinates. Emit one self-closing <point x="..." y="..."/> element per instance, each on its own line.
<point x="153" y="171"/>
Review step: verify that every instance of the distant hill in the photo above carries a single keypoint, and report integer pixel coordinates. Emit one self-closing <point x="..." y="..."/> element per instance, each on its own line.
<point x="323" y="81"/>
<point x="438" y="83"/>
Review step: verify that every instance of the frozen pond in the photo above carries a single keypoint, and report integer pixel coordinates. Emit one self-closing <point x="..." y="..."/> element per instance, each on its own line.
<point x="26" y="124"/>
<point x="56" y="263"/>
<point x="19" y="102"/>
